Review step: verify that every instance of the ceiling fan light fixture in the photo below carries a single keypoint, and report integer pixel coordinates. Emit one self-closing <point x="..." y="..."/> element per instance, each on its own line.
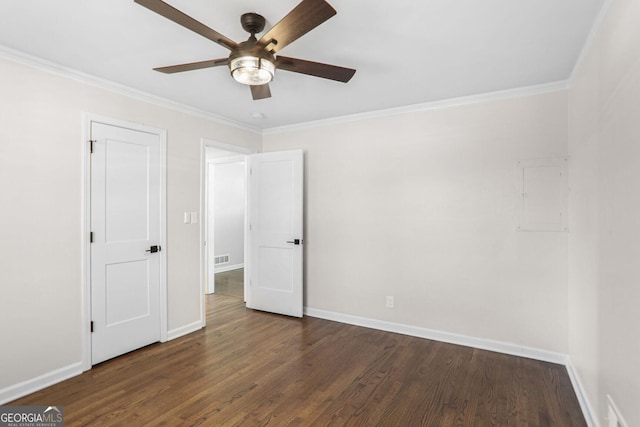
<point x="252" y="70"/>
<point x="253" y="62"/>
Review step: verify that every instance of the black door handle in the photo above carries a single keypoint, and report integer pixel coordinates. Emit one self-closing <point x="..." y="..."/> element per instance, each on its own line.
<point x="153" y="249"/>
<point x="294" y="241"/>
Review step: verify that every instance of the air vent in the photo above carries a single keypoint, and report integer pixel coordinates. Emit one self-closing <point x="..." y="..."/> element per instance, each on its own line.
<point x="221" y="259"/>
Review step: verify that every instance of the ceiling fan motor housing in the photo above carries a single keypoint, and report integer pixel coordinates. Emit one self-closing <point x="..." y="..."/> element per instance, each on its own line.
<point x="252" y="22"/>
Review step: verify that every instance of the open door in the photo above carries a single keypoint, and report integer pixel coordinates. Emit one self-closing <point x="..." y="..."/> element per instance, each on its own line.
<point x="275" y="232"/>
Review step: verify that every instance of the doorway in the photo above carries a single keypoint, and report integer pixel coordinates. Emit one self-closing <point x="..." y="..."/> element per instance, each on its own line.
<point x="224" y="201"/>
<point x="273" y="229"/>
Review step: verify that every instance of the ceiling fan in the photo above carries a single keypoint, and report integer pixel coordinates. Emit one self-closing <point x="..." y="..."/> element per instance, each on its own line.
<point x="253" y="62"/>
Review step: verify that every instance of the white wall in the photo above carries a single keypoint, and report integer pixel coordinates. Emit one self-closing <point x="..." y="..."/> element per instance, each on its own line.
<point x="422" y="206"/>
<point x="227" y="186"/>
<point x="40" y="220"/>
<point x="604" y="144"/>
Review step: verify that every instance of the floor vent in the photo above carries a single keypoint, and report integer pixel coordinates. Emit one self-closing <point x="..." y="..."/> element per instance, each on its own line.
<point x="221" y="259"/>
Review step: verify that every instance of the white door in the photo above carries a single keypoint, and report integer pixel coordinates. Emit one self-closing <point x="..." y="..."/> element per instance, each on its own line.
<point x="275" y="232"/>
<point x="125" y="225"/>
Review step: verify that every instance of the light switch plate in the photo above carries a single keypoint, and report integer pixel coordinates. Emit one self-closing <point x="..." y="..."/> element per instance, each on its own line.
<point x="187" y="217"/>
<point x="194" y="217"/>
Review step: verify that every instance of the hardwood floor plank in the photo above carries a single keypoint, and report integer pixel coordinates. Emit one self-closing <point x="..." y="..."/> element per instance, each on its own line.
<point x="230" y="283"/>
<point x="249" y="368"/>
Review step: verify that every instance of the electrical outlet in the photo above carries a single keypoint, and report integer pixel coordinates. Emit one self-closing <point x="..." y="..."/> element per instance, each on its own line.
<point x="389" y="302"/>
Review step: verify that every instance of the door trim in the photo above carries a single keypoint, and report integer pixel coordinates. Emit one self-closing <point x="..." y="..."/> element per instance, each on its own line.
<point x="87" y="119"/>
<point x="204" y="143"/>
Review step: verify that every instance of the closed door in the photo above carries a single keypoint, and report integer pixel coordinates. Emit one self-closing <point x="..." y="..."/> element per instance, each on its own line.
<point x="125" y="225"/>
<point x="275" y="232"/>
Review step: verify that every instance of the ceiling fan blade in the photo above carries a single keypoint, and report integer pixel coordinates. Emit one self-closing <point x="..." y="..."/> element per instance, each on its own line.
<point x="317" y="69"/>
<point x="303" y="18"/>
<point x="173" y="14"/>
<point x="260" y="92"/>
<point x="170" y="69"/>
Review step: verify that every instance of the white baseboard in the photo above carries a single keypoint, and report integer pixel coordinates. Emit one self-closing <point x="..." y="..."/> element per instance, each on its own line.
<point x="484" y="344"/>
<point x="448" y="337"/>
<point x="184" y="330"/>
<point x="23" y="388"/>
<point x="590" y="415"/>
<point x="228" y="268"/>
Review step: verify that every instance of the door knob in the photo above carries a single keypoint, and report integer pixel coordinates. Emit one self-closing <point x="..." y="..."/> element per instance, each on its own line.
<point x="153" y="249"/>
<point x="294" y="241"/>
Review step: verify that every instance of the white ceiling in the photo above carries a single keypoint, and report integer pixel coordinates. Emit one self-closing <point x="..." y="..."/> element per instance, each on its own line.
<point x="405" y="51"/>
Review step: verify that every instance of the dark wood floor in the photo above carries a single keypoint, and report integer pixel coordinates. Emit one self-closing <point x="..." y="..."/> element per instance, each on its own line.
<point x="250" y="368"/>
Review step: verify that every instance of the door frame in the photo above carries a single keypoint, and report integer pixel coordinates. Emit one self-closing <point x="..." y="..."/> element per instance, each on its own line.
<point x="204" y="144"/>
<point x="87" y="119"/>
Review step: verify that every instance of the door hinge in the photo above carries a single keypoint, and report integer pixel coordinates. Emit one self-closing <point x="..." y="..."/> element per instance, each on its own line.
<point x="91" y="141"/>
<point x="92" y="326"/>
<point x="91" y="237"/>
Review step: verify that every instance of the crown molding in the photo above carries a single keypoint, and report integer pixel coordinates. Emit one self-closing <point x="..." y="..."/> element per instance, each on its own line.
<point x="54" y="68"/>
<point x="51" y="67"/>
<point x="432" y="105"/>
<point x="591" y="37"/>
